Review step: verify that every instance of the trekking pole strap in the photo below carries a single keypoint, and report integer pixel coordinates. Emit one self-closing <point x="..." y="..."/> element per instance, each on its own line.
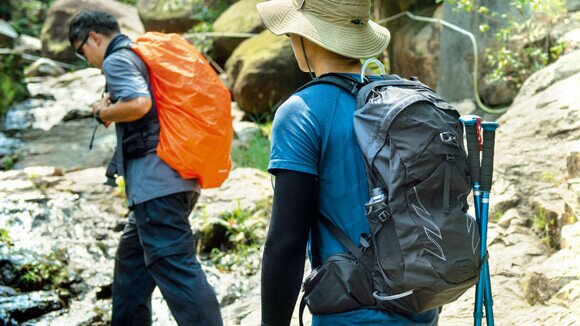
<point x="470" y="123"/>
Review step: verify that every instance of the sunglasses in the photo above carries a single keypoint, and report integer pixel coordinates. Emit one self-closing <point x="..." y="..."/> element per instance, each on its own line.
<point x="79" y="51"/>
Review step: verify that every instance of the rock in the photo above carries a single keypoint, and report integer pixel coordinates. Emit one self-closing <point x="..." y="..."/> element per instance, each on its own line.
<point x="545" y="106"/>
<point x="8" y="35"/>
<point x="567" y="32"/>
<point x="169" y="16"/>
<point x="415" y="50"/>
<point x="504" y="197"/>
<point x="497" y="93"/>
<point x="241" y="17"/>
<point x="87" y="181"/>
<point x="44" y="67"/>
<point x="573" y="5"/>
<point x="570" y="237"/>
<point x="66" y="147"/>
<point x="246" y="131"/>
<point x="28" y="44"/>
<point x="244" y="189"/>
<point x="569" y="296"/>
<point x="509" y="217"/>
<point x="8" y="145"/>
<point x="54" y="34"/>
<point x="6" y="291"/>
<point x="537" y="288"/>
<point x="237" y="114"/>
<point x="54" y="101"/>
<point x="573" y="161"/>
<point x="28" y="306"/>
<point x="264" y="72"/>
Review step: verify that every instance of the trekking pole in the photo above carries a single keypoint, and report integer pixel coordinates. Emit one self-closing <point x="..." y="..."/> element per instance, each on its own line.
<point x="471" y="123"/>
<point x="486" y="180"/>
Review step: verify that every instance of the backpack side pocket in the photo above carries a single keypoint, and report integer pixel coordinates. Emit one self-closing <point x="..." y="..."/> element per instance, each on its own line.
<point x="340" y="284"/>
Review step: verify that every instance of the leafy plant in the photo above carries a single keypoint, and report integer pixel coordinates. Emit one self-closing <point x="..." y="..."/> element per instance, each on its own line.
<point x="29" y="16"/>
<point x="504" y="60"/>
<point x="42" y="273"/>
<point x="546" y="226"/>
<point x="256" y="154"/>
<point x="11" y="82"/>
<point x="5" y="240"/>
<point x="245" y="232"/>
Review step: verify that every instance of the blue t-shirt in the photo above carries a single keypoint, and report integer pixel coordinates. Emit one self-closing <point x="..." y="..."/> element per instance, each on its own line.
<point x="146" y="177"/>
<point x="313" y="133"/>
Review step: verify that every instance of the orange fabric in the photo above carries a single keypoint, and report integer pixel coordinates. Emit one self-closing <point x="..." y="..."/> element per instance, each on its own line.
<point x="194" y="108"/>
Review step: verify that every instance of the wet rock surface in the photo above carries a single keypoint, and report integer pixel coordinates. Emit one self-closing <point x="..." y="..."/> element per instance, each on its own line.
<point x="47" y="210"/>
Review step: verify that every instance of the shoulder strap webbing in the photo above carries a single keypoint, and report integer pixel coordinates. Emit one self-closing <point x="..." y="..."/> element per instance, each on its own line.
<point x="345" y="82"/>
<point x="340" y="236"/>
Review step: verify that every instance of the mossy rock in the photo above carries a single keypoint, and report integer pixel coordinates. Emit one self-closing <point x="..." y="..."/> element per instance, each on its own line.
<point x="169" y="16"/>
<point x="54" y="34"/>
<point x="242" y="17"/>
<point x="264" y="72"/>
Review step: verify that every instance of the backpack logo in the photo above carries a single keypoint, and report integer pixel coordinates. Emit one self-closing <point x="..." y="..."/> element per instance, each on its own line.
<point x="430" y="233"/>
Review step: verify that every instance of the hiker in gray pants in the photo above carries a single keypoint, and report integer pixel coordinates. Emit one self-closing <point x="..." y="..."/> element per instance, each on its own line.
<point x="157" y="247"/>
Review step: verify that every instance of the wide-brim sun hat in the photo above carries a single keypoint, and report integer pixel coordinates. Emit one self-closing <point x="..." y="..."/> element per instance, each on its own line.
<point x="339" y="26"/>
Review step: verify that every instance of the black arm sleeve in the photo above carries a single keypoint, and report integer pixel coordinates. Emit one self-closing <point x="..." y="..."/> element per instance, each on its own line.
<point x="293" y="213"/>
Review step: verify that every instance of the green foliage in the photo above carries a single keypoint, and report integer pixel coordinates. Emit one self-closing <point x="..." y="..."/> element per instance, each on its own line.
<point x="504" y="60"/>
<point x="12" y="86"/>
<point x="129" y="2"/>
<point x="28" y="16"/>
<point x="546" y="226"/>
<point x="42" y="273"/>
<point x="5" y="240"/>
<point x="245" y="231"/>
<point x="256" y="154"/>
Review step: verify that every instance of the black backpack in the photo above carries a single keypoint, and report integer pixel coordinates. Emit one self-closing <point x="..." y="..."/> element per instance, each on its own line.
<point x="424" y="249"/>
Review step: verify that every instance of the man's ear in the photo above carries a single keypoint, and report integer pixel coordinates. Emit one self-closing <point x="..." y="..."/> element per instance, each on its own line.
<point x="97" y="38"/>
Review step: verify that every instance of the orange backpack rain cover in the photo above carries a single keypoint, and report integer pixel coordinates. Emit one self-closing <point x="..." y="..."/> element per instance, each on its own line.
<point x="194" y="108"/>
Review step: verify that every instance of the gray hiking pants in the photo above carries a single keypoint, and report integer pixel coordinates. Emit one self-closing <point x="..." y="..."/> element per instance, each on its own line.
<point x="157" y="249"/>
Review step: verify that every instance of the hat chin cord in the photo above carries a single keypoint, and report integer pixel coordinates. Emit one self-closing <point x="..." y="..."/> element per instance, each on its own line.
<point x="306" y="58"/>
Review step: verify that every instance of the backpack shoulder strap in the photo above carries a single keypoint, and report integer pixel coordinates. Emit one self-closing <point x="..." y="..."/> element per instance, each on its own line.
<point x="345" y="82"/>
<point x="340" y="236"/>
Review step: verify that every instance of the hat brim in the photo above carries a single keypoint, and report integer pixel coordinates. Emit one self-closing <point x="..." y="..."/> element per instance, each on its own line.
<point x="281" y="17"/>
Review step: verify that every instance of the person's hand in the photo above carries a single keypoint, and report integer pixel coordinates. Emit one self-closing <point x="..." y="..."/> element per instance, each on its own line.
<point x="103" y="103"/>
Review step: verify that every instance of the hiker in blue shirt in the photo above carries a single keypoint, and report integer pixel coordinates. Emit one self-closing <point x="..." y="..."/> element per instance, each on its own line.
<point x="315" y="157"/>
<point x="157" y="247"/>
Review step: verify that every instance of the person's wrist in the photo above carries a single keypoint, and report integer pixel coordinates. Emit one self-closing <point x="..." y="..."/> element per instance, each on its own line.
<point x="98" y="116"/>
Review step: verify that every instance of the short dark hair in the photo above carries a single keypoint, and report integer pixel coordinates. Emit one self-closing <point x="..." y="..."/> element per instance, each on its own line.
<point x="97" y="21"/>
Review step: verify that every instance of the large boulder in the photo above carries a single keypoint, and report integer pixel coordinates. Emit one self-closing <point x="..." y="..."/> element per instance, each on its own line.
<point x="55" y="103"/>
<point x="8" y="35"/>
<point x="54" y="34"/>
<point x="263" y="72"/>
<point x="169" y="16"/>
<point x="533" y="146"/>
<point x="241" y="17"/>
<point x="415" y="50"/>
